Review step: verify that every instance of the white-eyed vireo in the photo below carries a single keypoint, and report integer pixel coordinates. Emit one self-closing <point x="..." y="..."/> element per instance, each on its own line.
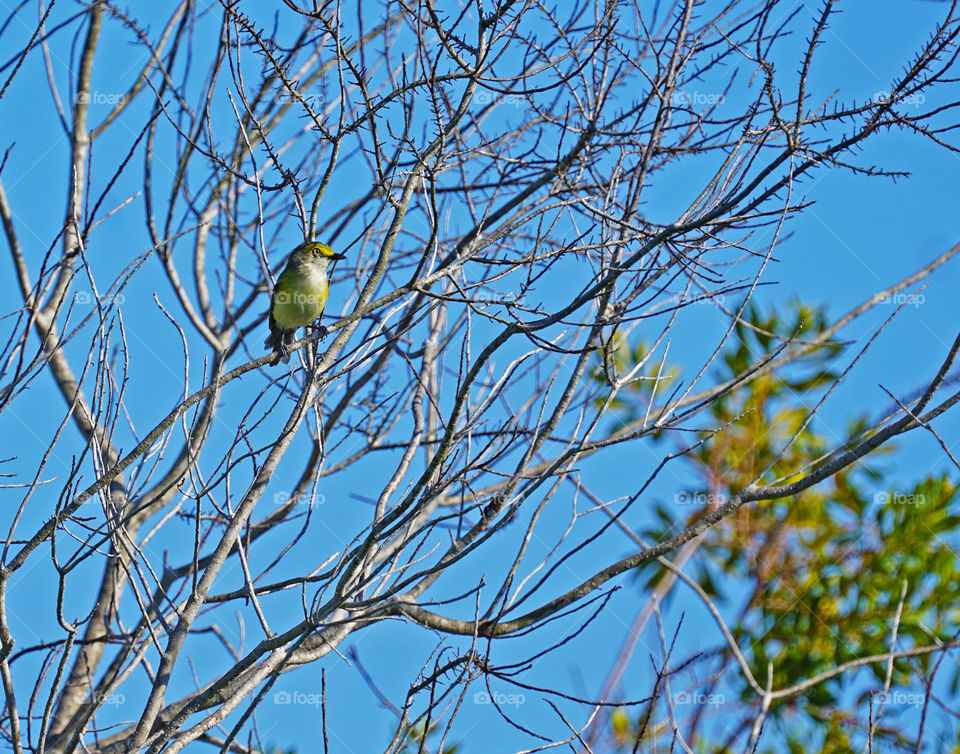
<point x="299" y="296"/>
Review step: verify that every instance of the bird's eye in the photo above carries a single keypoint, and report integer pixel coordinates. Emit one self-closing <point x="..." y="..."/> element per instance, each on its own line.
<point x="317" y="253"/>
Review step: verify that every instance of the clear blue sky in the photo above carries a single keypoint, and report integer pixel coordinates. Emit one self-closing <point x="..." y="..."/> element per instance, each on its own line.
<point x="862" y="234"/>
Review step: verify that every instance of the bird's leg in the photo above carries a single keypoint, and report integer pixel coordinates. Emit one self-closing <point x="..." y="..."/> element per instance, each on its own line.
<point x="316" y="332"/>
<point x="311" y="349"/>
<point x="283" y="347"/>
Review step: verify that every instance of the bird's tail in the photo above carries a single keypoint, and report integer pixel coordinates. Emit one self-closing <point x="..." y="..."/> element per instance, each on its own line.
<point x="277" y="341"/>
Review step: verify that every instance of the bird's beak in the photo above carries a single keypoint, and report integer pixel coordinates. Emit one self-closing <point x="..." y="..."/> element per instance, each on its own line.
<point x="338" y="256"/>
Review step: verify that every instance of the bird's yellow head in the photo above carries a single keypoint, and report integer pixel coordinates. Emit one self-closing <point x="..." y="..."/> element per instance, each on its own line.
<point x="314" y="251"/>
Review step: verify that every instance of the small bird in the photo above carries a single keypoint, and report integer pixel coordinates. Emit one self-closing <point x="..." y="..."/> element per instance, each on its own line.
<point x="299" y="296"/>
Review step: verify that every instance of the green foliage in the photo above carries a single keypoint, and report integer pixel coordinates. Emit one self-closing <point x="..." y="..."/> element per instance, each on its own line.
<point x="615" y="359"/>
<point x="825" y="569"/>
<point x="416" y="743"/>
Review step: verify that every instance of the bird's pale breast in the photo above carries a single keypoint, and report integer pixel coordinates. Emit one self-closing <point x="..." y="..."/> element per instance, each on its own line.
<point x="299" y="299"/>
